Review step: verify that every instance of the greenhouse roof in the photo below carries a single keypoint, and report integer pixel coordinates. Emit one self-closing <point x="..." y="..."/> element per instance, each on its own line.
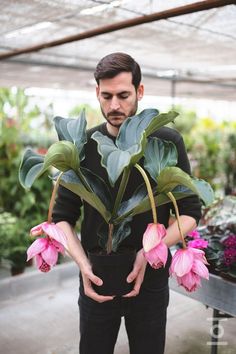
<point x="186" y="52"/>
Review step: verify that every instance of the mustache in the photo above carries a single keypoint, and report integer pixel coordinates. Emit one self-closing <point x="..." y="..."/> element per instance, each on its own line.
<point x="115" y="114"/>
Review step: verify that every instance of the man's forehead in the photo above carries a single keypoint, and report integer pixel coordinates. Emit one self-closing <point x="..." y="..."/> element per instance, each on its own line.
<point x="119" y="84"/>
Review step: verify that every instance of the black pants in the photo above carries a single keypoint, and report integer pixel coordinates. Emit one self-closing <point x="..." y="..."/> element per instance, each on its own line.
<point x="145" y="322"/>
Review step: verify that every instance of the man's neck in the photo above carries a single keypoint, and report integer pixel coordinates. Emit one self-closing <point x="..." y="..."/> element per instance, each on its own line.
<point x="112" y="130"/>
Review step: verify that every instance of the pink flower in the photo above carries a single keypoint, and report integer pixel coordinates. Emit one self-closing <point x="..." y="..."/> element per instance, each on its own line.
<point x="188" y="265"/>
<point x="155" y="250"/>
<point x="50" y="229"/>
<point x="194" y="234"/>
<point x="198" y="243"/>
<point x="45" y="250"/>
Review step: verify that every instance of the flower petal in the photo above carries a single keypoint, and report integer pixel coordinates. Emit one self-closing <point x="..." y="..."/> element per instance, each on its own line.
<point x="190" y="281"/>
<point x="157" y="256"/>
<point x="152" y="236"/>
<point x="182" y="262"/>
<point x="200" y="269"/>
<point x="39" y="260"/>
<point x="55" y="232"/>
<point x="37" y="230"/>
<point x="36" y="247"/>
<point x="50" y="255"/>
<point x="59" y="247"/>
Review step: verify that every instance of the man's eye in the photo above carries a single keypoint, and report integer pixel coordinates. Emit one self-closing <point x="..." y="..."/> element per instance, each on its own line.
<point x="106" y="97"/>
<point x="124" y="96"/>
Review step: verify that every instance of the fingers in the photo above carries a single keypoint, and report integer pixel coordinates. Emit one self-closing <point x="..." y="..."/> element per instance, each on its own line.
<point x="137" y="274"/>
<point x="90" y="278"/>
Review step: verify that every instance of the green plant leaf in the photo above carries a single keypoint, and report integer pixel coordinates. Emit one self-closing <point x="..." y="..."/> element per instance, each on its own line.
<point x="205" y="192"/>
<point x="140" y="203"/>
<point x="170" y="177"/>
<point x="30" y="168"/>
<point x="130" y="142"/>
<point x="99" y="197"/>
<point x="132" y="130"/>
<point x="120" y="232"/>
<point x="158" y="155"/>
<point x="73" y="130"/>
<point x="63" y="155"/>
<point x="114" y="159"/>
<point x="161" y="120"/>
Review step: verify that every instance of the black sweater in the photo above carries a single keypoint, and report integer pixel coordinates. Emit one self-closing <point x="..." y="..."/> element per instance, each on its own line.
<point x="68" y="205"/>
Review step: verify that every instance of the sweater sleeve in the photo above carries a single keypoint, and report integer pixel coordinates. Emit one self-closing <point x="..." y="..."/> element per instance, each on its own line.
<point x="67" y="206"/>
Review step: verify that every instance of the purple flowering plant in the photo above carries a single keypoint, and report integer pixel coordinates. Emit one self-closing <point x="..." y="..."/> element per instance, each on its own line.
<point x="217" y="235"/>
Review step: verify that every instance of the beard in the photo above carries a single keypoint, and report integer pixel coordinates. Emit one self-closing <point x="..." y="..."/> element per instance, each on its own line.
<point x="121" y="117"/>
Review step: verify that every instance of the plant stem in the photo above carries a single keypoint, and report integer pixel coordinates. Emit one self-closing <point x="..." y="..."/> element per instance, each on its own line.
<point x="122" y="187"/>
<point x="172" y="198"/>
<point x="109" y="241"/>
<point x="52" y="200"/>
<point x="149" y="190"/>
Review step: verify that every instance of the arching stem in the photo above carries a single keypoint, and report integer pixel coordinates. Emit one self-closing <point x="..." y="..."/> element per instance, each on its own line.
<point x="149" y="190"/>
<point x="172" y="198"/>
<point x="53" y="197"/>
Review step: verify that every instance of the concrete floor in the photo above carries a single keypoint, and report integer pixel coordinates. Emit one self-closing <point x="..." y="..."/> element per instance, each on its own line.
<point x="46" y="322"/>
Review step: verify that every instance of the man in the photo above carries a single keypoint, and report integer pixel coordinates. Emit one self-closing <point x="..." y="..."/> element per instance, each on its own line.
<point x="119" y="89"/>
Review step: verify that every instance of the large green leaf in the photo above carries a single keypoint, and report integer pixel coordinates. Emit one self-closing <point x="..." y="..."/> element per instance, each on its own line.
<point x="98" y="197"/>
<point x="62" y="155"/>
<point x="127" y="206"/>
<point x="30" y="168"/>
<point x="131" y="131"/>
<point x="130" y="142"/>
<point x="73" y="130"/>
<point x="160" y="121"/>
<point x="158" y="155"/>
<point x="114" y="159"/>
<point x="140" y="203"/>
<point x="170" y="177"/>
<point x="205" y="192"/>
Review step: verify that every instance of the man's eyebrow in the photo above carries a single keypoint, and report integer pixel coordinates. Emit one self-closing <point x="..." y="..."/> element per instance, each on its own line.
<point x="118" y="93"/>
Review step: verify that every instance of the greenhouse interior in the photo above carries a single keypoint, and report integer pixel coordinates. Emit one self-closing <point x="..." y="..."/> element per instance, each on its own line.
<point x="49" y="52"/>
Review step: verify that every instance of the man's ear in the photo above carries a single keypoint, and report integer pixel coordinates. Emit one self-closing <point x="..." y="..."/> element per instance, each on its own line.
<point x="140" y="92"/>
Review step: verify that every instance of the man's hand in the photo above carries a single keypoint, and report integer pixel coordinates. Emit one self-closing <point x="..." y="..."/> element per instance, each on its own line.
<point x="137" y="274"/>
<point x="88" y="278"/>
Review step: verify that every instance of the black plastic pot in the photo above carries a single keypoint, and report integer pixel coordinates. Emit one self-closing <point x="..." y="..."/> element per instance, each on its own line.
<point x="113" y="269"/>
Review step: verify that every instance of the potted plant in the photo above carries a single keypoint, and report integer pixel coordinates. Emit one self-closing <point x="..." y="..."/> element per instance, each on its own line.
<point x="133" y="143"/>
<point x="218" y="229"/>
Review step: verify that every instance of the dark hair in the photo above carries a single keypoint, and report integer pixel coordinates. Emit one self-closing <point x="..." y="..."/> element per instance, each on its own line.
<point x="115" y="63"/>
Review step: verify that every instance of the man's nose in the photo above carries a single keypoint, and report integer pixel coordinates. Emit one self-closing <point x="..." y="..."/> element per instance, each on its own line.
<point x="115" y="104"/>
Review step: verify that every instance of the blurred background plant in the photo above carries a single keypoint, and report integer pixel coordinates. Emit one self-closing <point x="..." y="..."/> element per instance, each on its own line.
<point x="19" y="210"/>
<point x="211" y="147"/>
<point x="218" y="227"/>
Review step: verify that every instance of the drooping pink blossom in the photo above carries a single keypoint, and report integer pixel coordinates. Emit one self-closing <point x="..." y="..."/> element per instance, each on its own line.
<point x="154" y="249"/>
<point x="46" y="249"/>
<point x="198" y="243"/>
<point x="50" y="229"/>
<point x="188" y="266"/>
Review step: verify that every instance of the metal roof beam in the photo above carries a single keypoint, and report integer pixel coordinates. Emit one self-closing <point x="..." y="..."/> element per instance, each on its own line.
<point x="177" y="11"/>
